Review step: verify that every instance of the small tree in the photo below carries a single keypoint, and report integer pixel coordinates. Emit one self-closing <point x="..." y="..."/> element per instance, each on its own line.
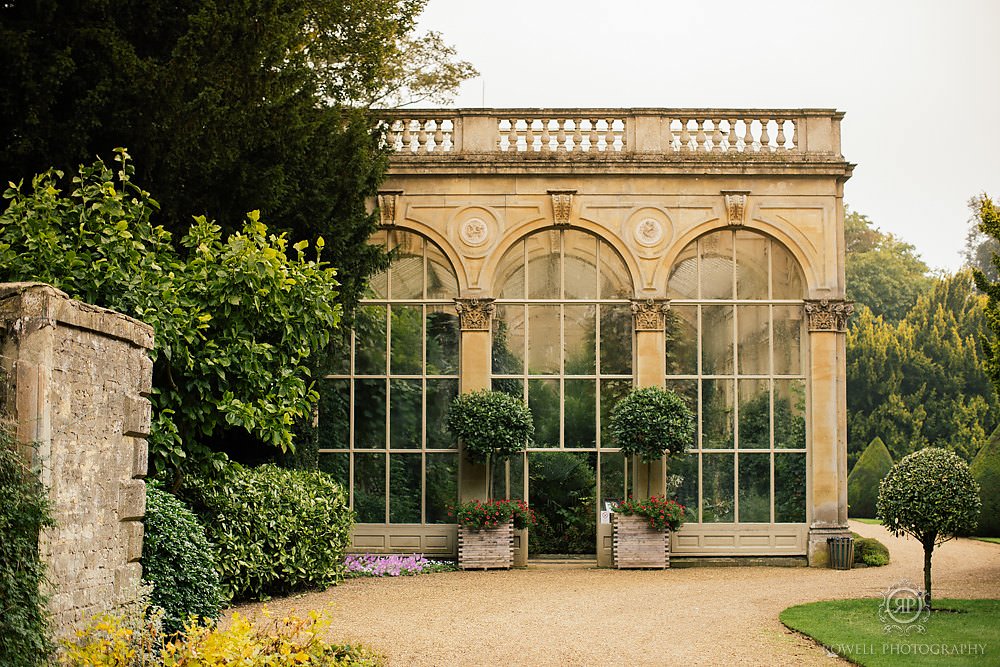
<point x="862" y="483"/>
<point x="985" y="469"/>
<point x="932" y="496"/>
<point x="492" y="425"/>
<point x="651" y="422"/>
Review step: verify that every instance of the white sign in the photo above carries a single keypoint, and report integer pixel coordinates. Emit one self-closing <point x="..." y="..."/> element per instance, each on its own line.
<point x="605" y="517"/>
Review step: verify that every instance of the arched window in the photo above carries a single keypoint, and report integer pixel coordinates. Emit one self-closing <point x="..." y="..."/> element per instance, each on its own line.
<point x="382" y="412"/>
<point x="734" y="348"/>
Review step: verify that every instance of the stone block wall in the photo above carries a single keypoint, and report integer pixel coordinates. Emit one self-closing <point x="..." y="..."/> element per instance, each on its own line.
<point x="75" y="378"/>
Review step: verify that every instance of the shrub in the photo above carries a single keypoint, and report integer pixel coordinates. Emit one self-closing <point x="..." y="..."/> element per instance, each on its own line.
<point x="132" y="636"/>
<point x="986" y="470"/>
<point x="24" y="511"/>
<point x="870" y="551"/>
<point x="930" y="495"/>
<point x="662" y="512"/>
<point x="492" y="425"/>
<point x="651" y="422"/>
<point x="862" y="483"/>
<point x="276" y="530"/>
<point x="179" y="561"/>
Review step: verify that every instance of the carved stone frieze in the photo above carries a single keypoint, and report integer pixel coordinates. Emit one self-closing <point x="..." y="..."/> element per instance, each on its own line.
<point x="562" y="204"/>
<point x="736" y="206"/>
<point x="827" y="315"/>
<point x="474" y="314"/>
<point x="387" y="207"/>
<point x="650" y="314"/>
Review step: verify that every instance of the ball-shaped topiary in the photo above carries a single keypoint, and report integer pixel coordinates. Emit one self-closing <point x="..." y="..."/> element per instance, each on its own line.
<point x="932" y="496"/>
<point x="651" y="422"/>
<point x="862" y="484"/>
<point x="492" y="425"/>
<point x="179" y="561"/>
<point x="986" y="470"/>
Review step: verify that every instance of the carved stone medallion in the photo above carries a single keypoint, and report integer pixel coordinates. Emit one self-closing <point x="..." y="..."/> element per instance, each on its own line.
<point x="474" y="232"/>
<point x="826" y="315"/>
<point x="474" y="314"/>
<point x="648" y="232"/>
<point x="650" y="314"/>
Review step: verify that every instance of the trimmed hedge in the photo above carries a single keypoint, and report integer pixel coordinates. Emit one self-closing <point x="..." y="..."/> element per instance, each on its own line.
<point x="986" y="470"/>
<point x="862" y="484"/>
<point x="870" y="551"/>
<point x="179" y="561"/>
<point x="276" y="530"/>
<point x="24" y="511"/>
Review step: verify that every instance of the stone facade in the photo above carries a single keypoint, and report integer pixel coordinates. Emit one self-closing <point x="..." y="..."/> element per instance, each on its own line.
<point x="76" y="381"/>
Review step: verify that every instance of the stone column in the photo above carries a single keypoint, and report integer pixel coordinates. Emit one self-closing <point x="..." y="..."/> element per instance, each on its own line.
<point x="828" y="425"/>
<point x="475" y="316"/>
<point x="649" y="318"/>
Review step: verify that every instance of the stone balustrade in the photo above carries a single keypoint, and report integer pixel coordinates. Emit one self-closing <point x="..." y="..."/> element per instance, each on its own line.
<point x="680" y="134"/>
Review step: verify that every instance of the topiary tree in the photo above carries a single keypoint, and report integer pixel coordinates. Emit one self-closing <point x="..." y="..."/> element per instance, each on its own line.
<point x="492" y="425"/>
<point x="862" y="483"/>
<point x="651" y="422"/>
<point x="931" y="495"/>
<point x="179" y="561"/>
<point x="986" y="471"/>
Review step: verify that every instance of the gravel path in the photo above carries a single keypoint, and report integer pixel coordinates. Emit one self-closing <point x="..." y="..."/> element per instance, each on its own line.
<point x="690" y="616"/>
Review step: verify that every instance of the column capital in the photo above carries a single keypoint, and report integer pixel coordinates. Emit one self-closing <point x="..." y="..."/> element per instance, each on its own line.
<point x="474" y="314"/>
<point x="828" y="314"/>
<point x="650" y="314"/>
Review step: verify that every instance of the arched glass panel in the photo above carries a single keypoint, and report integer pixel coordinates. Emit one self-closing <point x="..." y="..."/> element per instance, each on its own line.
<point x="382" y="414"/>
<point x="734" y="349"/>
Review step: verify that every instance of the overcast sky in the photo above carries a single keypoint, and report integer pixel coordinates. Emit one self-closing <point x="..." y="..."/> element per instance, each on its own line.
<point x="918" y="79"/>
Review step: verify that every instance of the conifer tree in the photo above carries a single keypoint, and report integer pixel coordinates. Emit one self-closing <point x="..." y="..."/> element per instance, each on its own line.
<point x="862" y="483"/>
<point x="986" y="470"/>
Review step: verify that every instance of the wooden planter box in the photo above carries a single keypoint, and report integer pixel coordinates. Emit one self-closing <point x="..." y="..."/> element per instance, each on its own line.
<point x="637" y="546"/>
<point x="488" y="549"/>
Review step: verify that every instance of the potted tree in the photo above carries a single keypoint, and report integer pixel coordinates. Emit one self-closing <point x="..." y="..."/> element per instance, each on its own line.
<point x="491" y="426"/>
<point x="647" y="424"/>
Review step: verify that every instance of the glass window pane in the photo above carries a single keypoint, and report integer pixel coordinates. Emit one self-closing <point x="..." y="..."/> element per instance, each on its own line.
<point x="508" y="340"/>
<point x="406" y="344"/>
<point x="442" y="340"/>
<point x="580" y="411"/>
<point x="616" y="339"/>
<point x="543" y="401"/>
<point x="404" y="488"/>
<point x="683" y="281"/>
<point x="334" y="414"/>
<point x="442" y="487"/>
<point x="788" y="340"/>
<point x="682" y="481"/>
<point x="378" y="285"/>
<point x="755" y="488"/>
<point x="543" y="340"/>
<point x="612" y="478"/>
<point x="369" y="414"/>
<point x="789" y="414"/>
<point x="717" y="340"/>
<point x="516" y="467"/>
<point x="717" y="414"/>
<point x="405" y="413"/>
<point x="440" y="394"/>
<point x="786" y="278"/>
<point x="686" y="389"/>
<point x="562" y="491"/>
<point x="789" y="488"/>
<point x="752" y="251"/>
<point x="369" y="331"/>
<point x="510" y="274"/>
<point x="581" y="265"/>
<point x="580" y="329"/>
<point x="717" y="488"/>
<point x="337" y="465"/>
<point x="543" y="265"/>
<point x="612" y="391"/>
<point x="755" y="414"/>
<point x="369" y="487"/>
<point x="616" y="282"/>
<point x="716" y="250"/>
<point x="441" y="280"/>
<point x="337" y="360"/>
<point x="682" y="340"/>
<point x="754" y="339"/>
<point x="407" y="268"/>
<point x="499" y="471"/>
<point x="512" y="386"/>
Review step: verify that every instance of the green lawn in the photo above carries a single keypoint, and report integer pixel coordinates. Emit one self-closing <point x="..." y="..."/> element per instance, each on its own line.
<point x="962" y="632"/>
<point x="874" y="522"/>
<point x="994" y="540"/>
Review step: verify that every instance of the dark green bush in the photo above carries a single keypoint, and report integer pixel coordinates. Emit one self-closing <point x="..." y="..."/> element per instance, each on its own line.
<point x="179" y="561"/>
<point x="276" y="530"/>
<point x="24" y="511"/>
<point x="862" y="483"/>
<point x="492" y="425"/>
<point x="870" y="551"/>
<point x="986" y="469"/>
<point x="651" y="422"/>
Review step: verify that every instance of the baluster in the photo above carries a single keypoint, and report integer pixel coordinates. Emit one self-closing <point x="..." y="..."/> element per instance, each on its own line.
<point x="685" y="135"/>
<point x="701" y="135"/>
<point x="407" y="136"/>
<point x="422" y="137"/>
<point x="717" y="135"/>
<point x="794" y="136"/>
<point x="546" y="136"/>
<point x="748" y="134"/>
<point x="609" y="138"/>
<point x="515" y="137"/>
<point x="670" y="132"/>
<point x="765" y="138"/>
<point x="438" y="136"/>
<point x="561" y="135"/>
<point x="577" y="135"/>
<point x="781" y="135"/>
<point x="529" y="136"/>
<point x="732" y="139"/>
<point x="594" y="138"/>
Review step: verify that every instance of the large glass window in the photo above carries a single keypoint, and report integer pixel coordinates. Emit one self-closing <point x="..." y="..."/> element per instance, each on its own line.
<point x="382" y="410"/>
<point x="734" y="349"/>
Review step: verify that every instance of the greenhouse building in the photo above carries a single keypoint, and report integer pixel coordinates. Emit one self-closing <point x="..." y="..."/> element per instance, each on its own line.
<point x="567" y="256"/>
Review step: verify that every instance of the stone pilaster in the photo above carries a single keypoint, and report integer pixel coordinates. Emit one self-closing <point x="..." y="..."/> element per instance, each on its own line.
<point x="649" y="321"/>
<point x="475" y="317"/>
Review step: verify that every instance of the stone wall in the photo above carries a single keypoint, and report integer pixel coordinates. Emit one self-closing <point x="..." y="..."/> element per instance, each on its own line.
<point x="75" y="378"/>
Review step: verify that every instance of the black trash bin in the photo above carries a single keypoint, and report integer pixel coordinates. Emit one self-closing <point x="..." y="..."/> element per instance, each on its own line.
<point x="841" y="552"/>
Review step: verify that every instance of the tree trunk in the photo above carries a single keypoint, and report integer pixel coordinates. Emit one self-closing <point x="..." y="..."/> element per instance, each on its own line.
<point x="928" y="552"/>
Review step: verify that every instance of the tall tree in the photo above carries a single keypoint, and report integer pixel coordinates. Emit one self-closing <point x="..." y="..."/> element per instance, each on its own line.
<point x="989" y="224"/>
<point x="980" y="247"/>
